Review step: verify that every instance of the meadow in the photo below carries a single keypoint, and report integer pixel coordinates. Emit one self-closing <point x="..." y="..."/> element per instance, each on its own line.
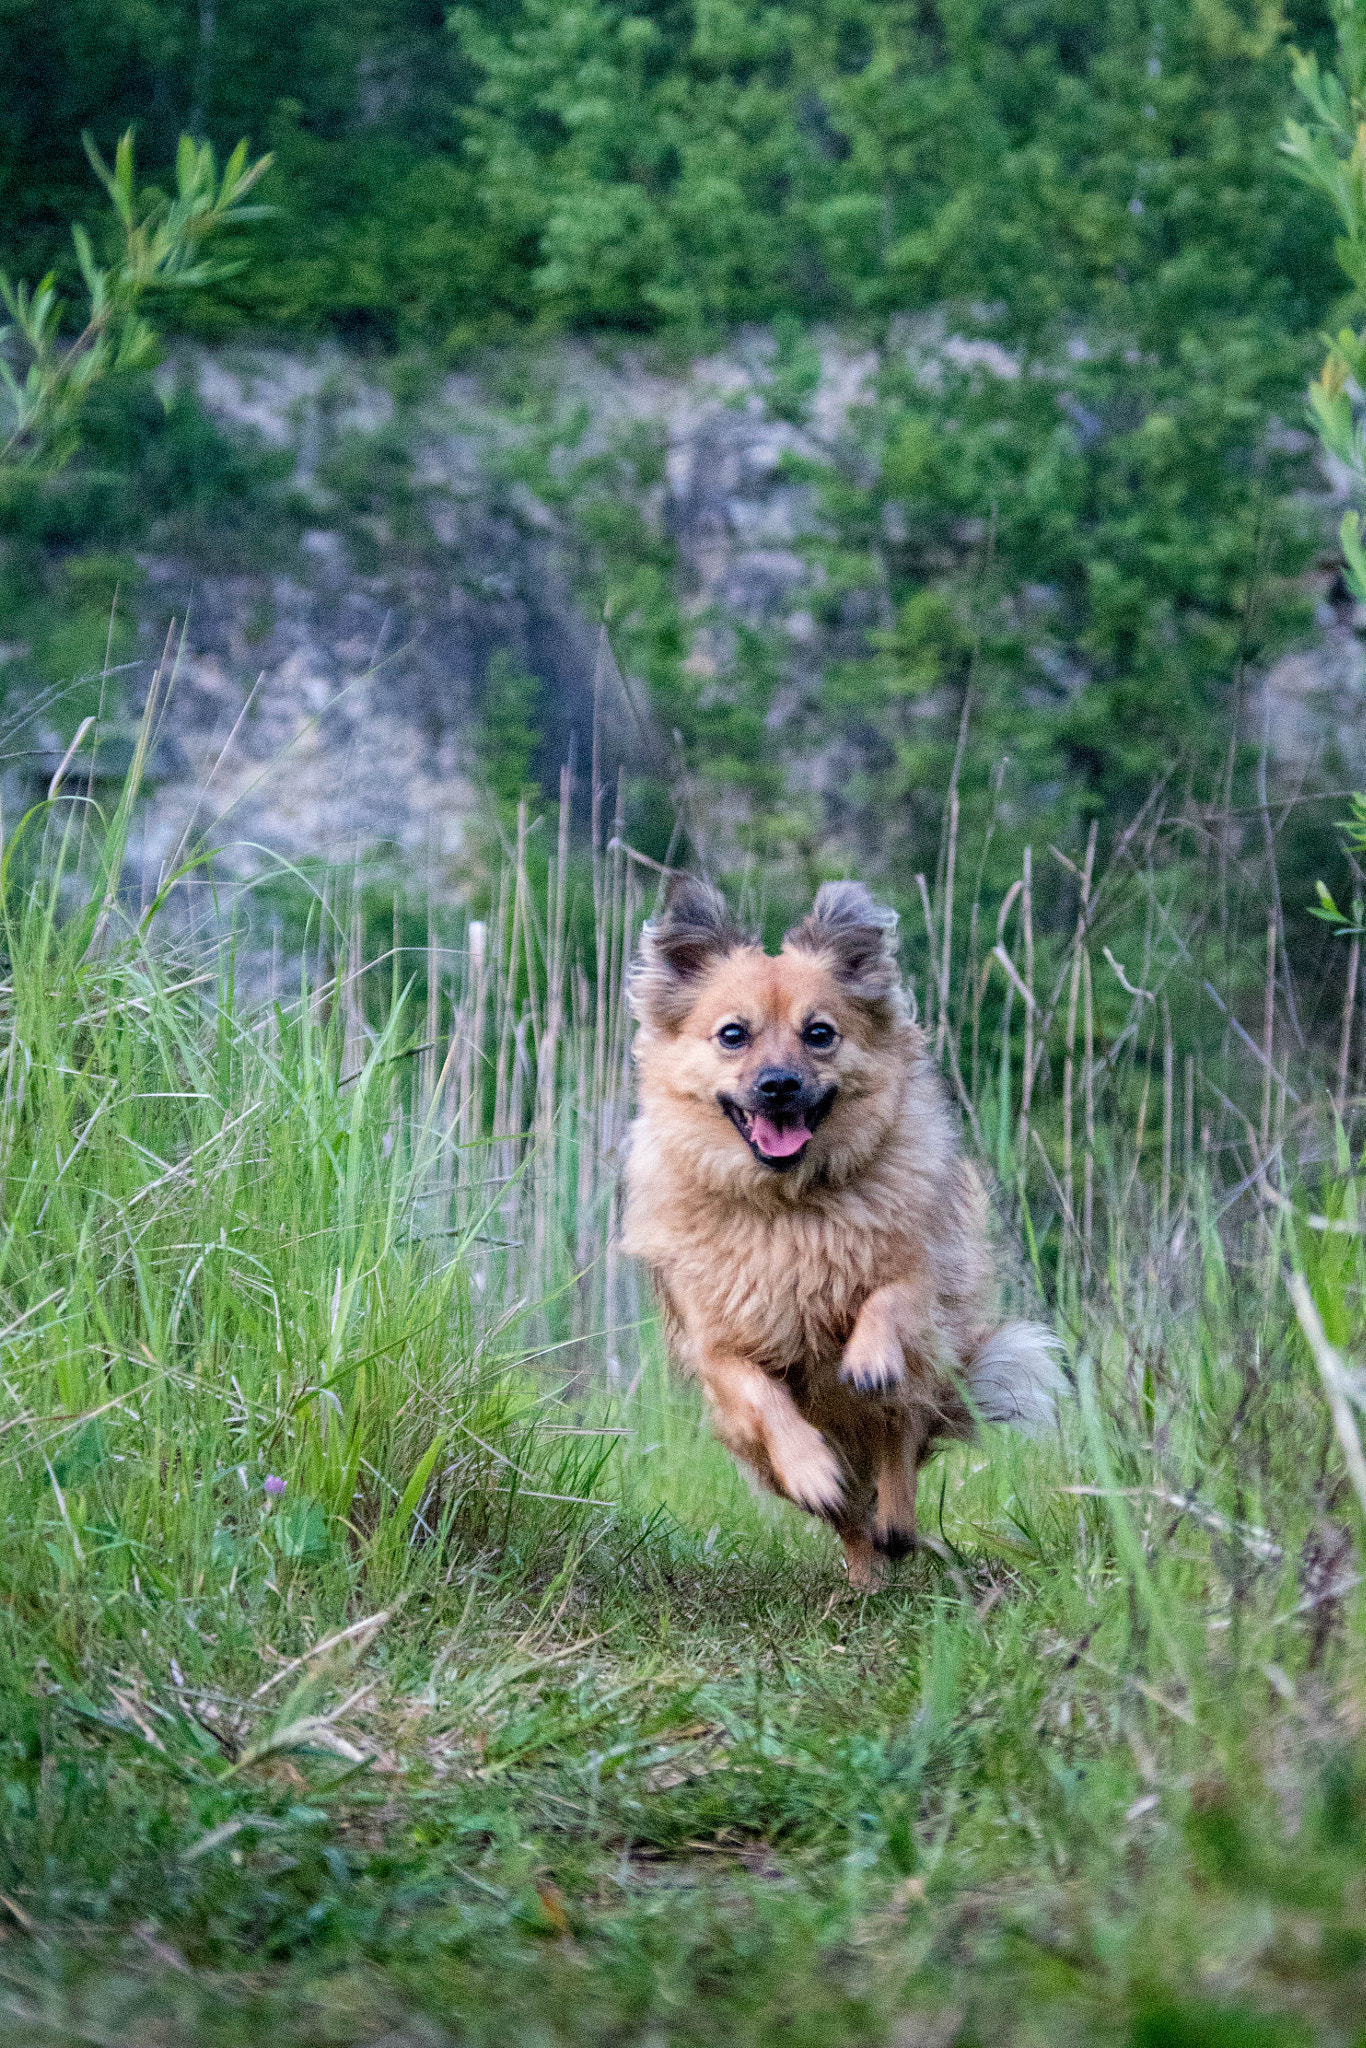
<point x="389" y="1655"/>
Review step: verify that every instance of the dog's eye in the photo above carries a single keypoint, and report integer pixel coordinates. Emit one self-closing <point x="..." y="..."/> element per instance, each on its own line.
<point x="820" y="1037"/>
<point x="732" y="1036"/>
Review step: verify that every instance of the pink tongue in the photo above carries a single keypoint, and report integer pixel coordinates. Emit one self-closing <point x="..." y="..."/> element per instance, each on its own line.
<point x="776" y="1142"/>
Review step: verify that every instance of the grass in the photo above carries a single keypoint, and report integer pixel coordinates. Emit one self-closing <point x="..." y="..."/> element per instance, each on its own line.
<point x="510" y="1715"/>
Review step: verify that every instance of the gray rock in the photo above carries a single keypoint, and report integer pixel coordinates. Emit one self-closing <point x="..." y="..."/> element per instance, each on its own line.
<point x="325" y="706"/>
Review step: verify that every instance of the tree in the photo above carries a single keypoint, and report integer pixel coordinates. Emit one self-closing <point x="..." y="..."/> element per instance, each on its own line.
<point x="164" y="239"/>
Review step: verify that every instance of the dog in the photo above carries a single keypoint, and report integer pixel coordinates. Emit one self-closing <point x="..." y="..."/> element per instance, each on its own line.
<point x="817" y="1243"/>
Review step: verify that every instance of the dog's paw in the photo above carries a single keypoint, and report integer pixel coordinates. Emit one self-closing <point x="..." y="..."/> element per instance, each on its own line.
<point x="872" y="1366"/>
<point x="862" y="1564"/>
<point x="811" y="1474"/>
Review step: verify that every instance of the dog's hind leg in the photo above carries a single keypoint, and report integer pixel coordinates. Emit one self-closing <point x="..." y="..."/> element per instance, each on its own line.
<point x="757" y="1418"/>
<point x="894" y="1520"/>
<point x="886" y="1529"/>
<point x="893" y="1528"/>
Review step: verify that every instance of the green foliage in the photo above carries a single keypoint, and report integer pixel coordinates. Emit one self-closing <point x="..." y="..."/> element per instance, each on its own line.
<point x="794" y="373"/>
<point x="1091" y="552"/>
<point x="691" y="164"/>
<point x="163" y="244"/>
<point x="632" y="151"/>
<point x="507" y="740"/>
<point x="1112" y="532"/>
<point x="1090" y="480"/>
<point x="151" y="471"/>
<point x="1329" y="156"/>
<point x="1354" y="833"/>
<point x="695" y="165"/>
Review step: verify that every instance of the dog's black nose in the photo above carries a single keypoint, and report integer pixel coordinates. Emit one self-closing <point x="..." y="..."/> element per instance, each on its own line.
<point x="778" y="1087"/>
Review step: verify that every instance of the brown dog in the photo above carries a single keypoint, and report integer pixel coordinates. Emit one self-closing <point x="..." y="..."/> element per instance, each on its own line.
<point x="817" y="1243"/>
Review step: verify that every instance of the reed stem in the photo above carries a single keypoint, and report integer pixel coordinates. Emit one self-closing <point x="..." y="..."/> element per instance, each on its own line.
<point x="1089" y="1103"/>
<point x="1268" y="1034"/>
<point x="1030" y="1010"/>
<point x="1348" y="1019"/>
<point x="1168" y="1091"/>
<point x="946" y="952"/>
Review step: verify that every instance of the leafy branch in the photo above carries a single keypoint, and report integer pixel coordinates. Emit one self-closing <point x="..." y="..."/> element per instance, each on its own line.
<point x="164" y="242"/>
<point x="1353" y="829"/>
<point x="1329" y="154"/>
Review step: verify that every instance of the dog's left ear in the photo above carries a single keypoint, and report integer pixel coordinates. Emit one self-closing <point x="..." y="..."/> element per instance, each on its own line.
<point x="856" y="936"/>
<point x="692" y="931"/>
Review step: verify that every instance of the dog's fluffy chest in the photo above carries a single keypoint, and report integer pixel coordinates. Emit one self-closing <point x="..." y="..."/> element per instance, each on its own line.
<point x="784" y="1288"/>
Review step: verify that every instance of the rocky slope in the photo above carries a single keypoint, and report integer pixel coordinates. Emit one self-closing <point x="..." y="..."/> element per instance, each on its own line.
<point x="326" y="701"/>
<point x="327" y="706"/>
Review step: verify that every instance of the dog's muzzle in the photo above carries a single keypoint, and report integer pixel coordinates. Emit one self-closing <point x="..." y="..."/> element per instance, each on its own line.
<point x="778" y="1119"/>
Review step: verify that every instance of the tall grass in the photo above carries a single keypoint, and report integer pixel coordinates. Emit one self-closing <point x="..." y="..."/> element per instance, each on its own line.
<point x="357" y="1238"/>
<point x="340" y="1476"/>
<point x="260" y="1268"/>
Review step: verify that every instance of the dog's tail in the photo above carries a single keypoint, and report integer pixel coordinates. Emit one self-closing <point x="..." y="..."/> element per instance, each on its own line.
<point x="1015" y="1377"/>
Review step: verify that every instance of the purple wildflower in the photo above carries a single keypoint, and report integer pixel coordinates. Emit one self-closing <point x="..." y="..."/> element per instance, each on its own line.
<point x="273" y="1486"/>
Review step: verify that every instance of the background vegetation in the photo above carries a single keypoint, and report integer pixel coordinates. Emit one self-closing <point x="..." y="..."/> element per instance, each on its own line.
<point x="1095" y="526"/>
<point x="675" y="165"/>
<point x="387" y="1653"/>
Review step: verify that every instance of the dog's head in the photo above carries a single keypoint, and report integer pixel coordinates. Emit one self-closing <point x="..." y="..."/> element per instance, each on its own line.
<point x="765" y="1067"/>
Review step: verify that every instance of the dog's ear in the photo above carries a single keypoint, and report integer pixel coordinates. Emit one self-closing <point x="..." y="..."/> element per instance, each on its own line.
<point x="691" y="931"/>
<point x="856" y="936"/>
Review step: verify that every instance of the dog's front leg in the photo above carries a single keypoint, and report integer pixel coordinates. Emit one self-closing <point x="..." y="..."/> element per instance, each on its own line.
<point x="758" y="1420"/>
<point x="892" y="1320"/>
<point x="862" y="1563"/>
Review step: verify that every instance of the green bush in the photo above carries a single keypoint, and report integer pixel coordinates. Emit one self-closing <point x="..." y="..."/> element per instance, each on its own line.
<point x="681" y="165"/>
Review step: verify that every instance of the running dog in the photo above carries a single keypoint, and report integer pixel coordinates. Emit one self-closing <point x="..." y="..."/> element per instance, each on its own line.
<point x="817" y="1243"/>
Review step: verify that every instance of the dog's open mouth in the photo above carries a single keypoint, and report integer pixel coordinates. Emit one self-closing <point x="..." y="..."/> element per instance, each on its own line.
<point x="779" y="1145"/>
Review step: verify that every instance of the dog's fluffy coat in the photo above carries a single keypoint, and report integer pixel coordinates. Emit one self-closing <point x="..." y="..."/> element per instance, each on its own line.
<point x="817" y="1243"/>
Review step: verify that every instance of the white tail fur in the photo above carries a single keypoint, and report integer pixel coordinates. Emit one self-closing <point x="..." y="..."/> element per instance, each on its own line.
<point x="1015" y="1377"/>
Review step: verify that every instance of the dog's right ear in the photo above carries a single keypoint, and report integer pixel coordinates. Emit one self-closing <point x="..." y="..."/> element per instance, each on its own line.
<point x="858" y="938"/>
<point x="693" y="929"/>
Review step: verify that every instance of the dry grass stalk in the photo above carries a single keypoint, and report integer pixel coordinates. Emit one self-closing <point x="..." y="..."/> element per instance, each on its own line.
<point x="978" y="986"/>
<point x="1031" y="1008"/>
<point x="1268" y="1034"/>
<point x="353" y="1055"/>
<point x="1348" y="1018"/>
<point x="473" y="1059"/>
<point x="1073" y="993"/>
<point x="1337" y="1384"/>
<point x="946" y="953"/>
<point x="1089" y="1101"/>
<point x="427" y="1068"/>
<point x="1140" y="1125"/>
<point x="1168" y="1080"/>
<point x="931" y="939"/>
